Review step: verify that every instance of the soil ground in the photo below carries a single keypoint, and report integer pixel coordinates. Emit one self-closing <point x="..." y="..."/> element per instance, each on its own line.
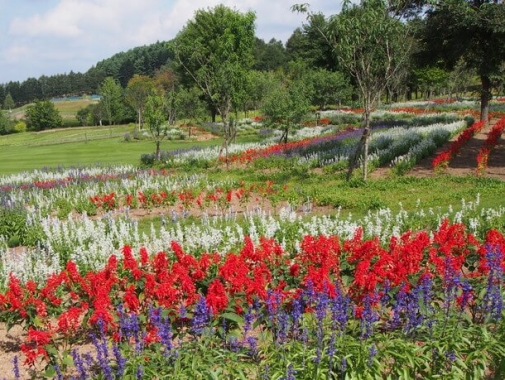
<point x="464" y="163"/>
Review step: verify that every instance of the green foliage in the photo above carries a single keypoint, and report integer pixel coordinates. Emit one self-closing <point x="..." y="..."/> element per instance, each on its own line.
<point x="17" y="228"/>
<point x="8" y="103"/>
<point x="43" y="115"/>
<point x="155" y="120"/>
<point x="5" y="124"/>
<point x="286" y="104"/>
<point x="112" y="97"/>
<point x="20" y="127"/>
<point x="215" y="50"/>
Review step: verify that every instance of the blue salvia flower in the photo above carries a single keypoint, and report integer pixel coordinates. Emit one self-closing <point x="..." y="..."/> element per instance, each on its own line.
<point x="140" y="372"/>
<point x="58" y="372"/>
<point x="296" y="315"/>
<point x="493" y="300"/>
<point x="290" y="373"/>
<point x="248" y="320"/>
<point x="466" y="295"/>
<point x="371" y="354"/>
<point x="339" y="306"/>
<point x="426" y="289"/>
<point x="266" y="375"/>
<point x="368" y="317"/>
<point x="331" y="349"/>
<point x="120" y="360"/>
<point x="282" y="326"/>
<point x="102" y="355"/>
<point x="385" y="294"/>
<point x="15" y="368"/>
<point x="253" y="345"/>
<point x="399" y="307"/>
<point x="322" y="302"/>
<point x="201" y="316"/>
<point x="79" y="364"/>
<point x="452" y="282"/>
<point x="343" y="365"/>
<point x="163" y="328"/>
<point x="413" y="316"/>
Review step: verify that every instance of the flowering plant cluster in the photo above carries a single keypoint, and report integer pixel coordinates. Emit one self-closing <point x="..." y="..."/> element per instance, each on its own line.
<point x="441" y="161"/>
<point x="492" y="139"/>
<point x="379" y="287"/>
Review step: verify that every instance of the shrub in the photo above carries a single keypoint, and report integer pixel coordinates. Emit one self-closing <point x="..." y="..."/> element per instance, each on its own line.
<point x="20" y="127"/>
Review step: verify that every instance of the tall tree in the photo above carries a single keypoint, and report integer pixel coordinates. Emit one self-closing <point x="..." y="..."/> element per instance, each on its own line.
<point x="471" y="30"/>
<point x="190" y="106"/>
<point x="287" y="104"/>
<point x="371" y="46"/>
<point x="8" y="102"/>
<point x="138" y="89"/>
<point x="330" y="87"/>
<point x="155" y="118"/>
<point x="111" y="100"/>
<point x="43" y="115"/>
<point x="216" y="50"/>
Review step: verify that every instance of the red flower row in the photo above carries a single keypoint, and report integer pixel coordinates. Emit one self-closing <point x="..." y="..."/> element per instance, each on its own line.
<point x="186" y="198"/>
<point x="492" y="139"/>
<point x="174" y="279"/>
<point x="441" y="161"/>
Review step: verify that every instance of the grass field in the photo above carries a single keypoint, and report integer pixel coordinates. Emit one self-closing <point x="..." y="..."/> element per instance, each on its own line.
<point x="77" y="146"/>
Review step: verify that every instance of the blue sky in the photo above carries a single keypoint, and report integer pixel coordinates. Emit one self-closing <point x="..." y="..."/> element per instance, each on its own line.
<point x="47" y="37"/>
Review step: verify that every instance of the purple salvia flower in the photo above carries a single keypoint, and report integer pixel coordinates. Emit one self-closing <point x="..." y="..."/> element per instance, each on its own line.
<point x="368" y="317"/>
<point x="371" y="354"/>
<point x="140" y="372"/>
<point x="201" y="316"/>
<point x="339" y="306"/>
<point x="58" y="372"/>
<point x="120" y="360"/>
<point x="282" y="326"/>
<point x="253" y="345"/>
<point x="15" y="368"/>
<point x="343" y="365"/>
<point x="493" y="300"/>
<point x="248" y="320"/>
<point x="79" y="364"/>
<point x="290" y="373"/>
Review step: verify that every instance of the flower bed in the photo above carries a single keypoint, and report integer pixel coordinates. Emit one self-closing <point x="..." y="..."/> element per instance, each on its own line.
<point x="492" y="139"/>
<point x="442" y="160"/>
<point x="341" y="301"/>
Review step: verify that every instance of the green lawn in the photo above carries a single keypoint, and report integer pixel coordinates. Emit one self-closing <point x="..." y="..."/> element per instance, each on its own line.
<point x="77" y="146"/>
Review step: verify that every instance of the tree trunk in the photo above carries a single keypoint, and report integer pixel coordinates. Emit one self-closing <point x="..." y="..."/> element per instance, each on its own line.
<point x="485" y="97"/>
<point x="140" y="117"/>
<point x="157" y="154"/>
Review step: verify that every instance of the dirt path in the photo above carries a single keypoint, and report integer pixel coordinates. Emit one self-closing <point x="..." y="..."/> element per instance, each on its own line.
<point x="465" y="162"/>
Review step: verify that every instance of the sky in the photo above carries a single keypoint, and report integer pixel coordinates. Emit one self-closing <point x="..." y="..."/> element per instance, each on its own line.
<point x="48" y="37"/>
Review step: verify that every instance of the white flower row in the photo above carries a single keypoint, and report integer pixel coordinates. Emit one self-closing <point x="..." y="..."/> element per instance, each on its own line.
<point x="91" y="242"/>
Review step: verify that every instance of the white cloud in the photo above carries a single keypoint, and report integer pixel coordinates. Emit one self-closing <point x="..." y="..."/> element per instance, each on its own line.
<point x="61" y="34"/>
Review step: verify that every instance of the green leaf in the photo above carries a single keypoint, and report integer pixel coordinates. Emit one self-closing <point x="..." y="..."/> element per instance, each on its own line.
<point x="233" y="317"/>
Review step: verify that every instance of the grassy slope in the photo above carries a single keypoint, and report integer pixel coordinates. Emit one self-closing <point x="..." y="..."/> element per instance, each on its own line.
<point x="76" y="146"/>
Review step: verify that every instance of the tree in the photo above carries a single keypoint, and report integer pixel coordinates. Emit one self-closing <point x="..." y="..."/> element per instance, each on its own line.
<point x="190" y="106"/>
<point x="370" y="45"/>
<point x="469" y="30"/>
<point x="330" y="87"/>
<point x="155" y="118"/>
<point x="310" y="45"/>
<point x="138" y="89"/>
<point x="5" y="124"/>
<point x="216" y="50"/>
<point x="286" y="105"/>
<point x="269" y="56"/>
<point x="431" y="79"/>
<point x="111" y="99"/>
<point x="8" y="102"/>
<point x="43" y="115"/>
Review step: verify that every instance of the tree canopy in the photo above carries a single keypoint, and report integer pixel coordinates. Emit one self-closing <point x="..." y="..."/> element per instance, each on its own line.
<point x="43" y="115"/>
<point x="215" y="49"/>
